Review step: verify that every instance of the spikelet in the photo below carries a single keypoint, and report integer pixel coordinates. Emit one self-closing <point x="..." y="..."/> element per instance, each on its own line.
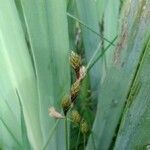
<point x="84" y="127"/>
<point x="76" y="62"/>
<point x="75" y="116"/>
<point x="75" y="88"/>
<point x="66" y="103"/>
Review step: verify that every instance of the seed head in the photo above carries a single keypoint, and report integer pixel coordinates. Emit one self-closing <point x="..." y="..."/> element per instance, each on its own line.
<point x="75" y="88"/>
<point x="84" y="127"/>
<point x="66" y="103"/>
<point x="75" y="61"/>
<point x="75" y="116"/>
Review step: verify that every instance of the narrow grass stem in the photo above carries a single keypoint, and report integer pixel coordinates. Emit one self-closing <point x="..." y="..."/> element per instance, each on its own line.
<point x="66" y="133"/>
<point x="93" y="56"/>
<point x="84" y="140"/>
<point x="96" y="55"/>
<point x="73" y="17"/>
<point x="78" y="140"/>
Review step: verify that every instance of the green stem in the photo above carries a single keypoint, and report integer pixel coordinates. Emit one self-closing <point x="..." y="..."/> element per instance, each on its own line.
<point x="84" y="140"/>
<point x="78" y="140"/>
<point x="93" y="60"/>
<point x="66" y="133"/>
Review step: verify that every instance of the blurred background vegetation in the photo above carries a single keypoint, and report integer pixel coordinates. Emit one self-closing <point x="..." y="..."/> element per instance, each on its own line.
<point x="36" y="39"/>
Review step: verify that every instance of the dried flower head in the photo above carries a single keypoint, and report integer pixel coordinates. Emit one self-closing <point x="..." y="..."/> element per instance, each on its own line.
<point x="53" y="113"/>
<point x="82" y="73"/>
<point x="75" y="61"/>
<point x="75" y="88"/>
<point x="75" y="116"/>
<point x="66" y="103"/>
<point x="84" y="127"/>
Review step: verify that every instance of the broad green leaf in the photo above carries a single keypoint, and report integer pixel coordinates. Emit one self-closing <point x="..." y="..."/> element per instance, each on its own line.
<point x="101" y="7"/>
<point x="40" y="72"/>
<point x="134" y="129"/>
<point x="47" y="34"/>
<point x="72" y="29"/>
<point x="110" y="27"/>
<point x="134" y="33"/>
<point x="18" y="74"/>
<point x="88" y="15"/>
<point x="58" y="30"/>
<point x="108" y="16"/>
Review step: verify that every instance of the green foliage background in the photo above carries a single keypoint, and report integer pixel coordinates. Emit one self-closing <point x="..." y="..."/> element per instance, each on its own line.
<point x="36" y="38"/>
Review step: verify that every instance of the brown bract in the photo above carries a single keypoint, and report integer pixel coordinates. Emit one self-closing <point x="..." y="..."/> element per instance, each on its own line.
<point x="53" y="113"/>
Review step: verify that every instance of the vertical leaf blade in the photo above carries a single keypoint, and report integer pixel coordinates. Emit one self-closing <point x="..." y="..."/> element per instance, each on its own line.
<point x="115" y="88"/>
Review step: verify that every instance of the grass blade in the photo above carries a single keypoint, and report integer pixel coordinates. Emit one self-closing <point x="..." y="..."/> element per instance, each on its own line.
<point x="97" y="55"/>
<point x="135" y="117"/>
<point x="18" y="68"/>
<point x="87" y="13"/>
<point x="25" y="140"/>
<point x="86" y="26"/>
<point x="49" y="48"/>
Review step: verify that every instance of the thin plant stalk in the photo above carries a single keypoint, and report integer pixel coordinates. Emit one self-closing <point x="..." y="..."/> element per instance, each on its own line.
<point x="78" y="139"/>
<point x="84" y="140"/>
<point x="93" y="56"/>
<point x="82" y="23"/>
<point x="96" y="54"/>
<point x="66" y="133"/>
